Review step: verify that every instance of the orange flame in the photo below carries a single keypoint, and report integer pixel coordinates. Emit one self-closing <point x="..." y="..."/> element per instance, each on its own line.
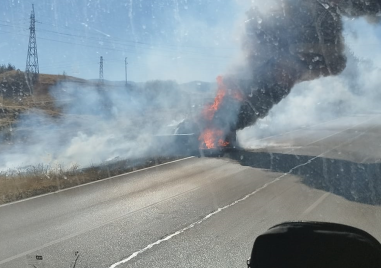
<point x="213" y="137"/>
<point x="237" y="95"/>
<point x="210" y="110"/>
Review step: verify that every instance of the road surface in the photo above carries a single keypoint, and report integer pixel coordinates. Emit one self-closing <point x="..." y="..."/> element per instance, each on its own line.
<point x="204" y="212"/>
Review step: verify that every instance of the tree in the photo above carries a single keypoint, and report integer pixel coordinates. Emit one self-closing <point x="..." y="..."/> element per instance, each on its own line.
<point x="6" y="68"/>
<point x="11" y="67"/>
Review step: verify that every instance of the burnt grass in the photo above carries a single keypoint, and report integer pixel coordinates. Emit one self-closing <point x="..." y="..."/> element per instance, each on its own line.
<point x="18" y="184"/>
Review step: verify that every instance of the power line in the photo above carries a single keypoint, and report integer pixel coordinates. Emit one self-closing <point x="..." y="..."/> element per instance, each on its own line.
<point x="127" y="42"/>
<point x="21" y="28"/>
<point x="137" y="42"/>
<point x="32" y="70"/>
<point x="128" y="46"/>
<point x="125" y="68"/>
<point x="132" y="44"/>
<point x="101" y="70"/>
<point x="123" y="50"/>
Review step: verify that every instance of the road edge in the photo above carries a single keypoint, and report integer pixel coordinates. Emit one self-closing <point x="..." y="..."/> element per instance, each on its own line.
<point x="93" y="182"/>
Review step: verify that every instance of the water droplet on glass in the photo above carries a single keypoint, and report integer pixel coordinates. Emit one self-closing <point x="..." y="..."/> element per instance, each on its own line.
<point x="326" y="6"/>
<point x="315" y="59"/>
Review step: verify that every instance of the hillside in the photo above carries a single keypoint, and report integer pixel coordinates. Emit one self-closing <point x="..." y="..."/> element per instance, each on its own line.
<point x="14" y="82"/>
<point x="78" y="104"/>
<point x="15" y="99"/>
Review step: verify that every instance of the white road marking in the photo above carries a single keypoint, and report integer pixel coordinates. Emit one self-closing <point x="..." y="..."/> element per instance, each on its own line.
<point x="316" y="203"/>
<point x="94" y="227"/>
<point x="135" y="254"/>
<point x="132" y="256"/>
<point x="307" y="127"/>
<point x="295" y="130"/>
<point x="168" y="237"/>
<point x="89" y="183"/>
<point x="329" y="136"/>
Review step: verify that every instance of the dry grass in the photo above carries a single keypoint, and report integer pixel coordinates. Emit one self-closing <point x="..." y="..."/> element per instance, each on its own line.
<point x="26" y="182"/>
<point x="12" y="108"/>
<point x="18" y="184"/>
<point x="47" y="80"/>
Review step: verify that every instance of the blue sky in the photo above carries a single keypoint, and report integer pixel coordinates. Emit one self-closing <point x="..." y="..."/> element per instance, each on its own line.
<point x="163" y="39"/>
<point x="183" y="40"/>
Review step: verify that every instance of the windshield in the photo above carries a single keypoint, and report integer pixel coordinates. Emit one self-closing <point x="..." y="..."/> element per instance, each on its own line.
<point x="139" y="133"/>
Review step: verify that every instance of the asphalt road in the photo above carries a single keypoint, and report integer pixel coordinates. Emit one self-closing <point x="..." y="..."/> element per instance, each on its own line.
<point x="204" y="212"/>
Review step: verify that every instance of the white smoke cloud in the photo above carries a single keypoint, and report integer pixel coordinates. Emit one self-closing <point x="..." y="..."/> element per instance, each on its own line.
<point x="96" y="125"/>
<point x="101" y="125"/>
<point x="355" y="90"/>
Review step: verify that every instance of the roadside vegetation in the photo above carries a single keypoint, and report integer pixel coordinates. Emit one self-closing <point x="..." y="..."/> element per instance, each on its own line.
<point x="17" y="184"/>
<point x="6" y="68"/>
<point x="16" y="102"/>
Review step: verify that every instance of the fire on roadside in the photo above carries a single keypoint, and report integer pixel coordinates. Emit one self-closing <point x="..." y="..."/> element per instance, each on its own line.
<point x="210" y="110"/>
<point x="212" y="137"/>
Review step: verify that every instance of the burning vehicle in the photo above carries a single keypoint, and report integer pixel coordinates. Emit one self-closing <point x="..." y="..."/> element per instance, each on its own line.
<point x="278" y="55"/>
<point x="213" y="131"/>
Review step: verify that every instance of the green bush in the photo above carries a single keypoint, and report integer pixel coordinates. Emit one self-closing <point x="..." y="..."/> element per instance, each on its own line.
<point x="5" y="68"/>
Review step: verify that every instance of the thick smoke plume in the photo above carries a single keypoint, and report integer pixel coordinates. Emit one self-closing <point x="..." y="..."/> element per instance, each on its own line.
<point x="293" y="41"/>
<point x="97" y="125"/>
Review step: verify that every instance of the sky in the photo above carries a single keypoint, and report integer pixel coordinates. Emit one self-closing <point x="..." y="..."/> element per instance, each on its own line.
<point x="180" y="40"/>
<point x="183" y="40"/>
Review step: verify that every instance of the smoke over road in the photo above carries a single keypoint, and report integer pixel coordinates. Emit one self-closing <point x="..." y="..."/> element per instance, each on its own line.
<point x="292" y="41"/>
<point x="285" y="42"/>
<point x="96" y="125"/>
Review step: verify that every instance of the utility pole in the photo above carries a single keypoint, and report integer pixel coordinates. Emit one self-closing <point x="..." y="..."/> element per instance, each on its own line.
<point x="125" y="68"/>
<point x="32" y="70"/>
<point x="101" y="70"/>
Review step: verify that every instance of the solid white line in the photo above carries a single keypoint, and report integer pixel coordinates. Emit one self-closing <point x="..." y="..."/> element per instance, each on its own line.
<point x="51" y="243"/>
<point x="298" y="129"/>
<point x="316" y="203"/>
<point x="329" y="136"/>
<point x="89" y="183"/>
<point x="135" y="254"/>
<point x="168" y="237"/>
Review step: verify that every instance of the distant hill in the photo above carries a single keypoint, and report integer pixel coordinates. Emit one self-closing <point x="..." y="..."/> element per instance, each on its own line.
<point x="48" y="80"/>
<point x="15" y="99"/>
<point x="191" y="87"/>
<point x="119" y="83"/>
<point x="13" y="83"/>
<point x="199" y="87"/>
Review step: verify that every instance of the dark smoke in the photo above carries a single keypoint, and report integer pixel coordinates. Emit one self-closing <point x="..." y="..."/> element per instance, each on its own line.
<point x="297" y="40"/>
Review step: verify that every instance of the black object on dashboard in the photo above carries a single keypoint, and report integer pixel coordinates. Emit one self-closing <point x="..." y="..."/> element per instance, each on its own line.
<point x="315" y="245"/>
